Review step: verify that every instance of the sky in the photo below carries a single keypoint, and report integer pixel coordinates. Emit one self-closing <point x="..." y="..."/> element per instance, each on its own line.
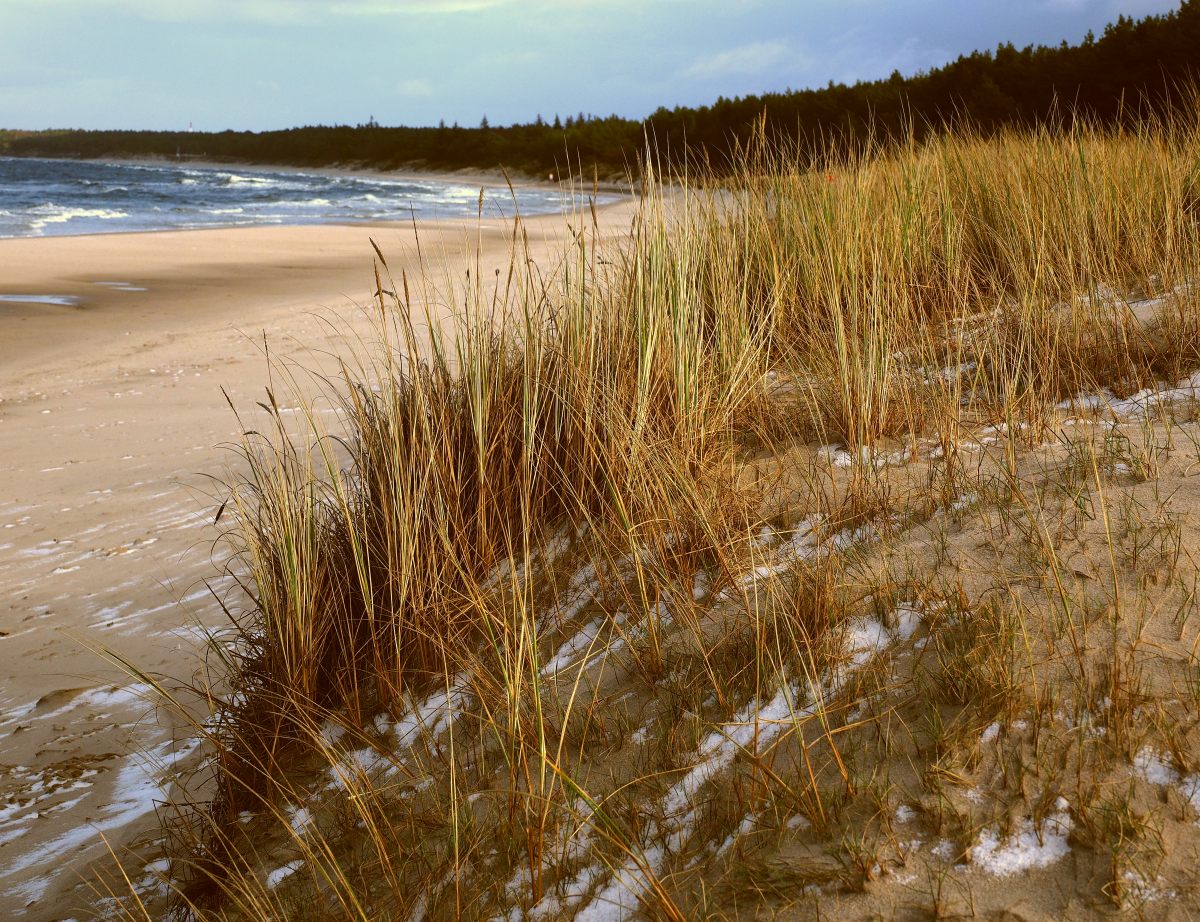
<point x="260" y="64"/>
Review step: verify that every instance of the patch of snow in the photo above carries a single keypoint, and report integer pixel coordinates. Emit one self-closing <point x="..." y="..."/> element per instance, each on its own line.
<point x="579" y="592"/>
<point x="434" y="715"/>
<point x="1149" y="766"/>
<point x="620" y="897"/>
<point x="1140" y="889"/>
<point x="964" y="502"/>
<point x="867" y="637"/>
<point x="299" y="819"/>
<point x="744" y="827"/>
<point x="849" y="537"/>
<point x="908" y="619"/>
<point x="838" y="456"/>
<point x="1028" y="848"/>
<point x="583" y="640"/>
<point x="139" y="785"/>
<point x="1189" y="787"/>
<point x="331" y="731"/>
<point x="1136" y="404"/>
<point x="279" y="875"/>
<point x="755" y="724"/>
<point x="835" y="455"/>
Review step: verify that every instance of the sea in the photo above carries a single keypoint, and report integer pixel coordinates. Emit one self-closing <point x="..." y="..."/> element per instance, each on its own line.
<point x="59" y="197"/>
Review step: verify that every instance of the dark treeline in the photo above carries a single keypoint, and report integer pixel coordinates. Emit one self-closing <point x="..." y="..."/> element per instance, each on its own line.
<point x="1132" y="65"/>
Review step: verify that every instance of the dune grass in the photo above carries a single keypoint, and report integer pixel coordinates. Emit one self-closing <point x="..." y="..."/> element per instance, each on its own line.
<point x="608" y="569"/>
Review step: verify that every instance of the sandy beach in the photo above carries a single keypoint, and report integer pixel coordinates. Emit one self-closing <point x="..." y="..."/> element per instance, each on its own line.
<point x="112" y="421"/>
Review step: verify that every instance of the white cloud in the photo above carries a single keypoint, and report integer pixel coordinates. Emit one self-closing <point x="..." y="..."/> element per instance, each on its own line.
<point x="416" y="88"/>
<point x="745" y="59"/>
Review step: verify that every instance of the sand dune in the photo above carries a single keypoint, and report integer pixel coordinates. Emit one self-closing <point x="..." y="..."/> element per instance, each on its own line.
<point x="111" y="420"/>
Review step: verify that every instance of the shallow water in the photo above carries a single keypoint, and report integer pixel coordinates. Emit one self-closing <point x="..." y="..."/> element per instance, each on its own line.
<point x="57" y="197"/>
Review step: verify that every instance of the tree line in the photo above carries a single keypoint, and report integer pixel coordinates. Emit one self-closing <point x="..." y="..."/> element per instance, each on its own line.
<point x="1133" y="66"/>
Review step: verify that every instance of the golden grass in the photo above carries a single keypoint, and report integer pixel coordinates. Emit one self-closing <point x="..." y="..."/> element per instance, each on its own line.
<point x="581" y="469"/>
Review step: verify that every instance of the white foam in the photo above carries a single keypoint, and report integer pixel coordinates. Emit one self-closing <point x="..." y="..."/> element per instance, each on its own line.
<point x="60" y="214"/>
<point x="234" y="179"/>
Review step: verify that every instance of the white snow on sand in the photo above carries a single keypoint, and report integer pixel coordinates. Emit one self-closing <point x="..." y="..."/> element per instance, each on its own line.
<point x="279" y="875"/>
<point x="138" y="787"/>
<point x="1029" y="847"/>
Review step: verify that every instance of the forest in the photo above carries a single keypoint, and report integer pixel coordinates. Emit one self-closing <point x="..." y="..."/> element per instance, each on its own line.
<point x="1133" y="67"/>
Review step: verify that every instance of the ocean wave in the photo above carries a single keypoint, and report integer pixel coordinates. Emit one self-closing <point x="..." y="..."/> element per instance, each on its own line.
<point x="233" y="179"/>
<point x="66" y="197"/>
<point x="59" y="214"/>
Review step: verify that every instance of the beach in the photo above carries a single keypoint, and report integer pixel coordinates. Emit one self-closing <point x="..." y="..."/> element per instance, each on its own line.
<point x="112" y="421"/>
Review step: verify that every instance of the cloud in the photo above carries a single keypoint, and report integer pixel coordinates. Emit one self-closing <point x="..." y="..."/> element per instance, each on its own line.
<point x="416" y="88"/>
<point x="745" y="59"/>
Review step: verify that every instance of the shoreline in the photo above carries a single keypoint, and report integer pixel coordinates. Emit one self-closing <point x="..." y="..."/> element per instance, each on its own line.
<point x="367" y="223"/>
<point x="573" y="196"/>
<point x="489" y="179"/>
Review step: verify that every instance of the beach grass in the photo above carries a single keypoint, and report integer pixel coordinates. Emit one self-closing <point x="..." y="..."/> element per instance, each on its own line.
<point x="826" y="509"/>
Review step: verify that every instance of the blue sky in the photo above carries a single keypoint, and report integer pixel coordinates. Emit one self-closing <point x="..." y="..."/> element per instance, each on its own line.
<point x="254" y="64"/>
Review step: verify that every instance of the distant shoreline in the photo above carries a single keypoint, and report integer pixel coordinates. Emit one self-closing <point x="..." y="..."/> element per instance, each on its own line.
<point x="495" y="179"/>
<point x="121" y="195"/>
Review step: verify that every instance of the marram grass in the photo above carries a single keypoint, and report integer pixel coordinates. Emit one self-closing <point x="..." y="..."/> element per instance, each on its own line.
<point x="533" y="524"/>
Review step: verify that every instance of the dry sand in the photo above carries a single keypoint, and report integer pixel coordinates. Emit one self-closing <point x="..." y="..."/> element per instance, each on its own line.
<point x="111" y="420"/>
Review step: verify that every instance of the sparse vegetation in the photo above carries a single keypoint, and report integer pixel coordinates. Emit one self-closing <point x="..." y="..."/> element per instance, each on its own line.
<point x="821" y="545"/>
